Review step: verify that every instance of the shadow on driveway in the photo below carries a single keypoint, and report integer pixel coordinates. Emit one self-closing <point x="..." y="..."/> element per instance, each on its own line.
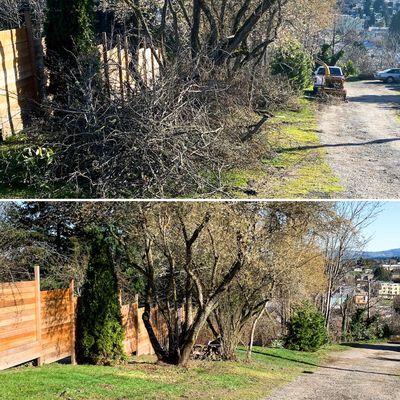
<point x="319" y="146"/>
<point x="356" y="345"/>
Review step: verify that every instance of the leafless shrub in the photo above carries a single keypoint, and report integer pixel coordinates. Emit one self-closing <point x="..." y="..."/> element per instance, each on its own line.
<point x="10" y="13"/>
<point x="176" y="138"/>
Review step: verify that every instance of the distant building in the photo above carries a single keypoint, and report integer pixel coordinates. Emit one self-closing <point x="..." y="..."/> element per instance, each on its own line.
<point x="361" y="299"/>
<point x="391" y="267"/>
<point x="388" y="289"/>
<point x="377" y="32"/>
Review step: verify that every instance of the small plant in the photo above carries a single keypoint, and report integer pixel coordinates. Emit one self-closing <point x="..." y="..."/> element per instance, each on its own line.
<point x="277" y="344"/>
<point x="306" y="330"/>
<point x="350" y="69"/>
<point x="25" y="165"/>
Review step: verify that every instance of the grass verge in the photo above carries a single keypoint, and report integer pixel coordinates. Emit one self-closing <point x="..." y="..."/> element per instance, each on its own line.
<point x="295" y="165"/>
<point x="143" y="379"/>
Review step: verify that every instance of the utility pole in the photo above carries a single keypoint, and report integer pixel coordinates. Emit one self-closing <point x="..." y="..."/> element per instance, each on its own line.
<point x="369" y="300"/>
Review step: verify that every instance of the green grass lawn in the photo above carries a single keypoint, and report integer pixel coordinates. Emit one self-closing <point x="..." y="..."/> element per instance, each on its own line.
<point x="143" y="379"/>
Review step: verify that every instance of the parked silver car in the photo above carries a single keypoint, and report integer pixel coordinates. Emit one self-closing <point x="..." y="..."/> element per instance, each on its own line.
<point x="388" y="75"/>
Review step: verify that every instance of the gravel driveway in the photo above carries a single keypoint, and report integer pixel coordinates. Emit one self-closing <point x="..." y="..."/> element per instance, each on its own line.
<point x="362" y="138"/>
<point x="368" y="372"/>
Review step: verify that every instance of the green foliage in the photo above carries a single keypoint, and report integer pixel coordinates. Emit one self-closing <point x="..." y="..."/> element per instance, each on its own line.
<point x="306" y="330"/>
<point x="362" y="328"/>
<point x="69" y="32"/>
<point x="100" y="331"/>
<point x="69" y="27"/>
<point x="349" y="69"/>
<point x="382" y="274"/>
<point x="293" y="61"/>
<point x="328" y="56"/>
<point x="25" y="165"/>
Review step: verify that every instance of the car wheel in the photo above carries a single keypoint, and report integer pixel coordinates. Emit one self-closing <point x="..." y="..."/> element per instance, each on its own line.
<point x="390" y="79"/>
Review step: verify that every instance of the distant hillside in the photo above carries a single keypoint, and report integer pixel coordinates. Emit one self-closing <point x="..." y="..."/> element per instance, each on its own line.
<point x="381" y="254"/>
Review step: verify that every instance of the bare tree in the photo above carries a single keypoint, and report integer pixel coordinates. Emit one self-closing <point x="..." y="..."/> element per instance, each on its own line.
<point x="343" y="240"/>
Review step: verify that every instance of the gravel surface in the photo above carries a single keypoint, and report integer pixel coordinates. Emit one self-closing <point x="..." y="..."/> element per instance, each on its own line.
<point x="362" y="138"/>
<point x="368" y="372"/>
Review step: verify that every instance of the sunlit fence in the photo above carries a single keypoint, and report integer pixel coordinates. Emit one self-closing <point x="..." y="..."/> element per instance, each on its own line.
<point x="40" y="325"/>
<point x="21" y="62"/>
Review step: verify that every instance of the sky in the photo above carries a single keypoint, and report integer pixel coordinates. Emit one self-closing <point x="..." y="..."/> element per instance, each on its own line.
<point x="385" y="230"/>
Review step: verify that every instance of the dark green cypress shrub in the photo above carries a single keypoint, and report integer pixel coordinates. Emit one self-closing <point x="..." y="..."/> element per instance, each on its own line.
<point x="69" y="31"/>
<point x="69" y="27"/>
<point x="100" y="333"/>
<point x="306" y="330"/>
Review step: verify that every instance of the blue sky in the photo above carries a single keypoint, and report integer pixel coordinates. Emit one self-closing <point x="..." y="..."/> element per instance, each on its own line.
<point x="385" y="230"/>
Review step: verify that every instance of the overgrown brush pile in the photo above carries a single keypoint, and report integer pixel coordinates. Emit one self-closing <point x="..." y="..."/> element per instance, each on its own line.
<point x="177" y="138"/>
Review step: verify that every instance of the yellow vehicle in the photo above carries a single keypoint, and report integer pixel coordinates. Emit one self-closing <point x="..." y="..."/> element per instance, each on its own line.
<point x="329" y="80"/>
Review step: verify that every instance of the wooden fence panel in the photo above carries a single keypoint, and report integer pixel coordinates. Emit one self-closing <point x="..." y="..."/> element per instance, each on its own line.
<point x="57" y="325"/>
<point x="18" y="330"/>
<point x="40" y="325"/>
<point x="17" y="80"/>
<point x="129" y="321"/>
<point x="144" y="346"/>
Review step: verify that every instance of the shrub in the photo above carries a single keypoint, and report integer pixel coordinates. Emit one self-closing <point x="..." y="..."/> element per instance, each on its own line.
<point x="100" y="332"/>
<point x="306" y="330"/>
<point x="25" y="165"/>
<point x="293" y="61"/>
<point x="362" y="328"/>
<point x="349" y="69"/>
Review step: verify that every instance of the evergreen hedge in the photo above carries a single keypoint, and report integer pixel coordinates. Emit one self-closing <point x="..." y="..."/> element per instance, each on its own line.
<point x="100" y="333"/>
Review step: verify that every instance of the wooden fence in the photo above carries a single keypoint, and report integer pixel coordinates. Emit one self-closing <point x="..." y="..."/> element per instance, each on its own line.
<point x="40" y="325"/>
<point x="21" y="62"/>
<point x="119" y="66"/>
<point x="17" y="79"/>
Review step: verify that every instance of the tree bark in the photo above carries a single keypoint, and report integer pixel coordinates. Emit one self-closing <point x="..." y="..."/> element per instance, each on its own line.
<point x="253" y="329"/>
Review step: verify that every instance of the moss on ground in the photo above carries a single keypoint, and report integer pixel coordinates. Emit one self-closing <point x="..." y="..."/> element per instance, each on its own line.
<point x="294" y="164"/>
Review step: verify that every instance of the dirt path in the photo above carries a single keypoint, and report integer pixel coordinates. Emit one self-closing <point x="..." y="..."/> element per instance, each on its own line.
<point x="368" y="372"/>
<point x="362" y="138"/>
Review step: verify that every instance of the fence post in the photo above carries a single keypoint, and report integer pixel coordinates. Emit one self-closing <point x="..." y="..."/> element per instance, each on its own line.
<point x="105" y="62"/>
<point x="32" y="55"/>
<point x="126" y="54"/>
<point x="73" y="318"/>
<point x="120" y="73"/>
<point x="38" y="311"/>
<point x="136" y="308"/>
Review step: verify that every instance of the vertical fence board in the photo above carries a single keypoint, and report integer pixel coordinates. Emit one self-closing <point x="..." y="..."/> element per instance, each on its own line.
<point x="38" y="312"/>
<point x="17" y="79"/>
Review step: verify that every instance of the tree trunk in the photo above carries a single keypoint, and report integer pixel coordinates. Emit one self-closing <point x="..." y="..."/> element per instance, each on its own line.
<point x="253" y="329"/>
<point x="328" y="303"/>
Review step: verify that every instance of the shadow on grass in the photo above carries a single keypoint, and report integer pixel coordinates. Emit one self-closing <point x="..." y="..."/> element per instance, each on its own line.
<point x="375" y="347"/>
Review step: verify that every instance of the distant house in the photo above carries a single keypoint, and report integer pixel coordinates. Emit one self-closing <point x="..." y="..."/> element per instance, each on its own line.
<point x="388" y="289"/>
<point x="391" y="267"/>
<point x="361" y="299"/>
